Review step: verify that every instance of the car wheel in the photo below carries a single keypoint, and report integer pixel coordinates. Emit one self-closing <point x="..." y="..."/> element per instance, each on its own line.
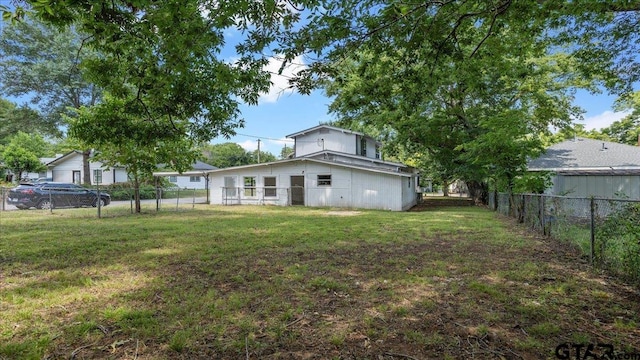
<point x="102" y="203"/>
<point x="44" y="204"/>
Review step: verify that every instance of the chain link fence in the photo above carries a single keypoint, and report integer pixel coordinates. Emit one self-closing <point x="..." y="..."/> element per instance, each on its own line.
<point x="607" y="231"/>
<point x="104" y="200"/>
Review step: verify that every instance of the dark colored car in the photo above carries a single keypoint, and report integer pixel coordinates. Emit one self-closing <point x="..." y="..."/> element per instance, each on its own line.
<point x="57" y="195"/>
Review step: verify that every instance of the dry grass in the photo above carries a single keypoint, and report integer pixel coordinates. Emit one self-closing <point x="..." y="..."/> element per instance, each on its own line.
<point x="282" y="283"/>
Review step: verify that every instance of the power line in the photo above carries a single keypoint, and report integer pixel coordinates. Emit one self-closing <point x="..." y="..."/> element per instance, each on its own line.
<point x="263" y="137"/>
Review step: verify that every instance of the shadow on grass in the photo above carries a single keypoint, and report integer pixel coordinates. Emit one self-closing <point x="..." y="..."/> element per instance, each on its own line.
<point x="295" y="283"/>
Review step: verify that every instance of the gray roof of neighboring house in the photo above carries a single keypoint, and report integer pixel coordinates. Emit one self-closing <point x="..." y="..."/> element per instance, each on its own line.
<point x="199" y="165"/>
<point x="587" y="154"/>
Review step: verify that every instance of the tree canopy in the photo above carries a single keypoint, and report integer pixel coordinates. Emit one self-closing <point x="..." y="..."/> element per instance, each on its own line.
<point x="467" y="84"/>
<point x="470" y="85"/>
<point x="14" y="119"/>
<point x="231" y="154"/>
<point x="22" y="153"/>
<point x="43" y="64"/>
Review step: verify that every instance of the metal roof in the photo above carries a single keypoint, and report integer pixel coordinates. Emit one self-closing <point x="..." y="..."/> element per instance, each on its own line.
<point x="582" y="154"/>
<point x="313" y="160"/>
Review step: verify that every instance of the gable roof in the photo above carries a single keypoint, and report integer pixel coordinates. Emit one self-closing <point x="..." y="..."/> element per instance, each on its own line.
<point x="199" y="165"/>
<point x="64" y="157"/>
<point x="587" y="154"/>
<point x="304" y="132"/>
<point x="327" y="154"/>
<point x="319" y="161"/>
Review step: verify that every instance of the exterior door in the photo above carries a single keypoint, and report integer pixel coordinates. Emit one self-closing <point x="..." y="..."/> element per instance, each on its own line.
<point x="76" y="177"/>
<point x="297" y="190"/>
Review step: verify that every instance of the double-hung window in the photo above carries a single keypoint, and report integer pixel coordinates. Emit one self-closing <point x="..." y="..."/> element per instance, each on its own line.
<point x="97" y="176"/>
<point x="249" y="186"/>
<point x="270" y="186"/>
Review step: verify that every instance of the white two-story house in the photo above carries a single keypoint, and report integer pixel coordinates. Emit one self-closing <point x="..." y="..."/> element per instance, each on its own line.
<point x="331" y="167"/>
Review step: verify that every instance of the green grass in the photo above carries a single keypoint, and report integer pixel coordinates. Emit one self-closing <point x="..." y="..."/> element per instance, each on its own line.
<point x="227" y="282"/>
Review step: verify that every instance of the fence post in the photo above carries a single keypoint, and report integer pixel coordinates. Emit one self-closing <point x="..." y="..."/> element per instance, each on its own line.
<point x="193" y="205"/>
<point x="542" y="222"/>
<point x="131" y="200"/>
<point x="3" y="198"/>
<point x="99" y="201"/>
<point x="593" y="230"/>
<point x="178" y="199"/>
<point x="523" y="208"/>
<point x="157" y="194"/>
<point x="50" y="203"/>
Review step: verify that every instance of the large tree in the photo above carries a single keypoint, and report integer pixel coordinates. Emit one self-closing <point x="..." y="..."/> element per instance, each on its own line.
<point x="42" y="64"/>
<point x="225" y="155"/>
<point x="14" y="119"/>
<point x="22" y="153"/>
<point x="129" y="143"/>
<point x="161" y="67"/>
<point x="231" y="154"/>
<point x="471" y="82"/>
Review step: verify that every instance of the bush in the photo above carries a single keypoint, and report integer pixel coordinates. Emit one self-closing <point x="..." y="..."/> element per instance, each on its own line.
<point x="619" y="239"/>
<point x="124" y="191"/>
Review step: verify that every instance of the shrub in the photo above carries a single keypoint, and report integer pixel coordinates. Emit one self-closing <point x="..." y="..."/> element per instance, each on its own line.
<point x="619" y="240"/>
<point x="124" y="191"/>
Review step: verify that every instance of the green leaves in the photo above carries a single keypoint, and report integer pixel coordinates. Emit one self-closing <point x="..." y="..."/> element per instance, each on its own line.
<point x="22" y="153"/>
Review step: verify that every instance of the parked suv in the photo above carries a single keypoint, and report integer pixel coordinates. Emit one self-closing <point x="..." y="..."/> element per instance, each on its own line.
<point x="49" y="194"/>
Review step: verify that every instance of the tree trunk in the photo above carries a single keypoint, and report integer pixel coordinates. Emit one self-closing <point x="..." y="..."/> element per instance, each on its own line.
<point x="86" y="169"/>
<point x="478" y="191"/>
<point x="445" y="188"/>
<point x="136" y="194"/>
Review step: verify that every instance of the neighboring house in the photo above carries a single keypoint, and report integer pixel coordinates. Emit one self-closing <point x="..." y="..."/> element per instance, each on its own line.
<point x="196" y="178"/>
<point x="331" y="167"/>
<point x="69" y="168"/>
<point x="46" y="173"/>
<point x="586" y="167"/>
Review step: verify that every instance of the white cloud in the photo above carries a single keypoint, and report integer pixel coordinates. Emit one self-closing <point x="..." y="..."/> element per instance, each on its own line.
<point x="603" y="120"/>
<point x="280" y="82"/>
<point x="266" y="145"/>
<point x="249" y="145"/>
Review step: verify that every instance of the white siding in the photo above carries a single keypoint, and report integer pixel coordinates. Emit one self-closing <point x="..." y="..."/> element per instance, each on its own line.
<point x="377" y="191"/>
<point x="184" y="182"/>
<point x="325" y="139"/>
<point x="63" y="171"/>
<point x="282" y="174"/>
<point x="350" y="188"/>
<point x="409" y="195"/>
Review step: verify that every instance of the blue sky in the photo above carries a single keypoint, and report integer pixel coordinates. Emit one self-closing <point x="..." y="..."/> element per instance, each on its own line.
<point x="280" y="113"/>
<point x="278" y="116"/>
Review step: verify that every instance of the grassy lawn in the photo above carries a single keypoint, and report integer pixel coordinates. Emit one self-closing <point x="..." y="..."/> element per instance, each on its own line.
<point x="281" y="283"/>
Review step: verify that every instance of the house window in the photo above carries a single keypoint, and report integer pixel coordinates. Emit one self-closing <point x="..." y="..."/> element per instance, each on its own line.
<point x="324" y="180"/>
<point x="97" y="176"/>
<point x="230" y="186"/>
<point x="173" y="179"/>
<point x="377" y="151"/>
<point x="249" y="186"/>
<point x="270" y="186"/>
<point x="194" y="178"/>
<point x="363" y="146"/>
